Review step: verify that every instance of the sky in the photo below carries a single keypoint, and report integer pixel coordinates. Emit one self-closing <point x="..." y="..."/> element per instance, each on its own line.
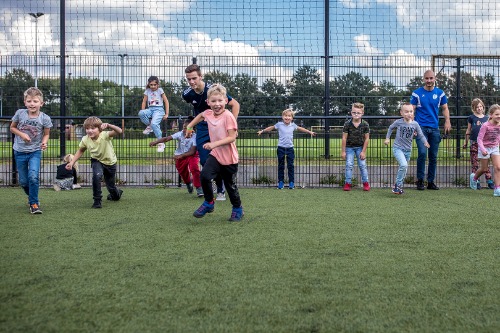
<point x="395" y="31"/>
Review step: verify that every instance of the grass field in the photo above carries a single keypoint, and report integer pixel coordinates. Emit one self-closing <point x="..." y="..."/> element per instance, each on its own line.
<point x="308" y="260"/>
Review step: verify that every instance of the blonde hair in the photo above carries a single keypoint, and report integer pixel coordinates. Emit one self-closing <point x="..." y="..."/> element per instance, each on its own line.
<point x="33" y="92"/>
<point x="216" y="89"/>
<point x="475" y="103"/>
<point x="92" y="122"/>
<point x="68" y="158"/>
<point x="360" y="106"/>
<point x="288" y="111"/>
<point x="493" y="108"/>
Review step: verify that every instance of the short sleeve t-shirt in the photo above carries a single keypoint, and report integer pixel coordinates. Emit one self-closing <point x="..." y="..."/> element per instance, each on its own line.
<point x="218" y="128"/>
<point x="355" y="135"/>
<point x="285" y="134"/>
<point x="427" y="106"/>
<point x="34" y="127"/>
<point x="183" y="144"/>
<point x="100" y="149"/>
<point x="475" y="125"/>
<point x="154" y="97"/>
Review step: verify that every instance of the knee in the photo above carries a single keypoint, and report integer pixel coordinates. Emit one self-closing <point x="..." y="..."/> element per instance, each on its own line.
<point x="33" y="177"/>
<point x="204" y="177"/>
<point x="97" y="175"/>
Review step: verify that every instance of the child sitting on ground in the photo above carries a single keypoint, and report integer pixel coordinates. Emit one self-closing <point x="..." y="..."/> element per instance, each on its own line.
<point x="66" y="179"/>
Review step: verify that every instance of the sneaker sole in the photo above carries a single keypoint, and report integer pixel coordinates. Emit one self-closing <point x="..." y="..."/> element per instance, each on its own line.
<point x="200" y="216"/>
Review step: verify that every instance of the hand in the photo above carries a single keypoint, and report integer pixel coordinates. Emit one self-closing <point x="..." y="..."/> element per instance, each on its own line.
<point x="362" y="155"/>
<point x="165" y="117"/>
<point x="153" y="143"/>
<point x="69" y="166"/>
<point x="464" y="146"/>
<point x="484" y="152"/>
<point x="177" y="157"/>
<point x="313" y="134"/>
<point x="104" y="126"/>
<point x="447" y="127"/>
<point x="427" y="145"/>
<point x="43" y="146"/>
<point x="209" y="146"/>
<point x="260" y="132"/>
<point x="386" y="142"/>
<point x="189" y="133"/>
<point x="343" y="155"/>
<point x="25" y="137"/>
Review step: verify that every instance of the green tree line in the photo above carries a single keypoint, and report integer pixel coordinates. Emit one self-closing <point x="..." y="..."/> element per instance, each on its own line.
<point x="304" y="92"/>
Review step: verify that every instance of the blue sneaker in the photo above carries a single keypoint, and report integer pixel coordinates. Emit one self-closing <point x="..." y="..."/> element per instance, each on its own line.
<point x="236" y="214"/>
<point x="472" y="182"/>
<point x="496" y="192"/>
<point x="280" y="185"/>
<point x="204" y="208"/>
<point x="397" y="189"/>
<point x="491" y="185"/>
<point x="291" y="186"/>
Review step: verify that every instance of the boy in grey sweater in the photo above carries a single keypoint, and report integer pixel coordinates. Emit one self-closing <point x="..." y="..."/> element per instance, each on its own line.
<point x="406" y="128"/>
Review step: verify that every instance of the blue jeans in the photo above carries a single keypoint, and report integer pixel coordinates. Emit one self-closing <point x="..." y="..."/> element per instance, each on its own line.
<point x="403" y="157"/>
<point x="155" y="113"/>
<point x="349" y="164"/>
<point x="28" y="168"/>
<point x="434" y="138"/>
<point x="289" y="153"/>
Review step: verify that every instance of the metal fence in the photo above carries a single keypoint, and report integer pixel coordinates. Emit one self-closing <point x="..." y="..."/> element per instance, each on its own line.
<point x="141" y="165"/>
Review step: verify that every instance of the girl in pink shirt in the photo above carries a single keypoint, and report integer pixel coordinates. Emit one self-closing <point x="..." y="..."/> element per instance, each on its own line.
<point x="223" y="157"/>
<point x="488" y="140"/>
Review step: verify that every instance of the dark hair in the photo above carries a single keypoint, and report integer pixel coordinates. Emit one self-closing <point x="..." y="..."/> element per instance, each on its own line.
<point x="151" y="79"/>
<point x="193" y="68"/>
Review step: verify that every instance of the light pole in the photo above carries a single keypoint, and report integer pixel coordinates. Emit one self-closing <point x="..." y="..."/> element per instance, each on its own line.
<point x="36" y="16"/>
<point x="122" y="56"/>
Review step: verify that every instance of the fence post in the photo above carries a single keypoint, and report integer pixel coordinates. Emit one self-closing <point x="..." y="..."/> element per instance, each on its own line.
<point x="457" y="101"/>
<point x="326" y="105"/>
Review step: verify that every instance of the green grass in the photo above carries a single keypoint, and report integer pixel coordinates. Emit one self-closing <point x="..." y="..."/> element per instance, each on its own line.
<point x="308" y="260"/>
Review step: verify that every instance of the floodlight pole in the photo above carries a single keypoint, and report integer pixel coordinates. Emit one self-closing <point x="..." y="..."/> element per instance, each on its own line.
<point x="122" y="56"/>
<point x="36" y="16"/>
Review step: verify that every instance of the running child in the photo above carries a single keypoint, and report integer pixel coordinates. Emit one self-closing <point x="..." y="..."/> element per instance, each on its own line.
<point x="223" y="157"/>
<point x="102" y="158"/>
<point x="186" y="157"/>
<point x="285" y="146"/>
<point x="405" y="131"/>
<point x="31" y="129"/>
<point x="474" y="123"/>
<point x="488" y="140"/>
<point x="154" y="109"/>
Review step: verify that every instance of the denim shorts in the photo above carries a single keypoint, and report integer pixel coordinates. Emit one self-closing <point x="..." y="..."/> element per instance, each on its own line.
<point x="491" y="151"/>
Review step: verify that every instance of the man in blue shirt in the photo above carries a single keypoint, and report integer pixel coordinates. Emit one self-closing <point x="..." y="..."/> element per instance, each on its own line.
<point x="196" y="95"/>
<point x="426" y="102"/>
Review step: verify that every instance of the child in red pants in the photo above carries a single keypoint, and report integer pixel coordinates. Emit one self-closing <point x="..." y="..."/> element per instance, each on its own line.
<point x="186" y="158"/>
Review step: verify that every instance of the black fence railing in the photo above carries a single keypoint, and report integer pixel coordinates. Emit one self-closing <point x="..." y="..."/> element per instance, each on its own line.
<point x="318" y="162"/>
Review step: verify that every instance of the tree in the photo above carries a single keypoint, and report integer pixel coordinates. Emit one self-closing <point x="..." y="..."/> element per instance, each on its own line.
<point x="306" y="92"/>
<point x="351" y="88"/>
<point x="13" y="86"/>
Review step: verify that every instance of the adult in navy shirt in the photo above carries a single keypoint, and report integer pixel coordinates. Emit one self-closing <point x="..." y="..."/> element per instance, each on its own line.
<point x="427" y="101"/>
<point x="196" y="95"/>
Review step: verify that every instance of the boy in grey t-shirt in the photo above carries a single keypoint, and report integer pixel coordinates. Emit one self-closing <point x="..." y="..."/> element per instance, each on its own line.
<point x="406" y="128"/>
<point x="31" y="128"/>
<point x="285" y="146"/>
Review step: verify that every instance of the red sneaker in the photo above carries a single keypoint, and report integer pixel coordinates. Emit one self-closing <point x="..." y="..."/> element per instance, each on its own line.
<point x="366" y="186"/>
<point x="347" y="186"/>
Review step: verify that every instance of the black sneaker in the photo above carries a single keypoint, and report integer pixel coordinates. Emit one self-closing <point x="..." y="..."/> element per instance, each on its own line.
<point x="478" y="185"/>
<point x="491" y="185"/>
<point x="97" y="204"/>
<point x="190" y="187"/>
<point x="110" y="197"/>
<point x="432" y="186"/>
<point x="420" y="185"/>
<point x="35" y="209"/>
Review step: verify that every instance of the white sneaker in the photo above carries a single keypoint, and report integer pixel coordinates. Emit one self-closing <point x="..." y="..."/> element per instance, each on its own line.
<point x="76" y="186"/>
<point x="57" y="188"/>
<point x="147" y="130"/>
<point x="221" y="196"/>
<point x="161" y="147"/>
